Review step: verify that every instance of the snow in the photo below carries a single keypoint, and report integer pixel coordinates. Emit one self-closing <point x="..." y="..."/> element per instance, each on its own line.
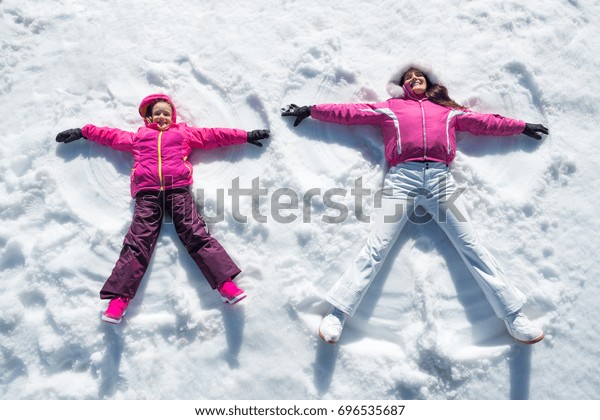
<point x="424" y="330"/>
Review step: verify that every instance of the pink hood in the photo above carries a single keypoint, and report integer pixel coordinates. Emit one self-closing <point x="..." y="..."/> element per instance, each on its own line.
<point x="149" y="100"/>
<point x="393" y="87"/>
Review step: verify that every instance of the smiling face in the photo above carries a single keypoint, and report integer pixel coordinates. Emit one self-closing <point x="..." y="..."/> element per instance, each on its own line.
<point x="162" y="115"/>
<point x="416" y="79"/>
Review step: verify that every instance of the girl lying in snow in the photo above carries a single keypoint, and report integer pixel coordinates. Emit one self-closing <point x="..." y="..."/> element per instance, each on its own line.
<point x="160" y="181"/>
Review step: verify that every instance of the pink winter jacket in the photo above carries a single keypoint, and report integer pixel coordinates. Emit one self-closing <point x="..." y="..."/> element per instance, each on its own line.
<point x="416" y="129"/>
<point x="161" y="157"/>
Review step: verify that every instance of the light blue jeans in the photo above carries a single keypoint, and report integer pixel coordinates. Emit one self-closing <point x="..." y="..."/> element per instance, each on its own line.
<point x="430" y="185"/>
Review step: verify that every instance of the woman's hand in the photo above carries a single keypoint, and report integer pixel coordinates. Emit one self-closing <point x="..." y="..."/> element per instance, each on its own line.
<point x="532" y="130"/>
<point x="70" y="135"/>
<point x="293" y="110"/>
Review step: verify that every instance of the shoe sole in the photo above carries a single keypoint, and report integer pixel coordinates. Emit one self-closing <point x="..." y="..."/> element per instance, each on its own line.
<point x="113" y="320"/>
<point x="327" y="341"/>
<point x="535" y="340"/>
<point x="235" y="299"/>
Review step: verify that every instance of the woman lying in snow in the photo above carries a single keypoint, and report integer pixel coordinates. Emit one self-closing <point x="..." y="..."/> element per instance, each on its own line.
<point x="419" y="125"/>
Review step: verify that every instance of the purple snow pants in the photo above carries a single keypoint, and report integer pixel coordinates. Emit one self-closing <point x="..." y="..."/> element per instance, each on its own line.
<point x="138" y="245"/>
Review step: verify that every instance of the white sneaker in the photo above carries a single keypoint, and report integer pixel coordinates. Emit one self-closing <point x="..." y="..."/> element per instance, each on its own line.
<point x="521" y="329"/>
<point x="332" y="325"/>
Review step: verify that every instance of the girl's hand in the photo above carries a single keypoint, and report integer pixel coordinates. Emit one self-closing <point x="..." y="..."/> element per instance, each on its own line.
<point x="255" y="135"/>
<point x="532" y="130"/>
<point x="70" y="135"/>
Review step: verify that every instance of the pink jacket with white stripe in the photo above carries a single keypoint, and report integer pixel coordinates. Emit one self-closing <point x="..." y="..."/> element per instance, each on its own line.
<point x="161" y="157"/>
<point x="416" y="129"/>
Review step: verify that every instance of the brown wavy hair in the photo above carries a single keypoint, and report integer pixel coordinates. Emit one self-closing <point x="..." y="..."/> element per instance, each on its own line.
<point x="435" y="92"/>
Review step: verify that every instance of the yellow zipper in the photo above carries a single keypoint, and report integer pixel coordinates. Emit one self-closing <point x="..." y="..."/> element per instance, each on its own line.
<point x="187" y="165"/>
<point x="160" y="178"/>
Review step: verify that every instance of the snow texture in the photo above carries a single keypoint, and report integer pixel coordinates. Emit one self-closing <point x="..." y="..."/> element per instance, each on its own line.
<point x="424" y="330"/>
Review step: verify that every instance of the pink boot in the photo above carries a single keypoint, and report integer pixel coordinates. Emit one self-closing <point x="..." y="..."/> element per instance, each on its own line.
<point x="230" y="293"/>
<point x="116" y="309"/>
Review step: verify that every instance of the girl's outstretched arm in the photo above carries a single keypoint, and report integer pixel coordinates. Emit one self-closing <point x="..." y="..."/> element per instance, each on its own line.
<point x="211" y="138"/>
<point x="111" y="137"/>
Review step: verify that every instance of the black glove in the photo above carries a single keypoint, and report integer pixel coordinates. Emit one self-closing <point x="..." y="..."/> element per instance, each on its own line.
<point x="68" y="136"/>
<point x="293" y="110"/>
<point x="255" y="135"/>
<point x="532" y="130"/>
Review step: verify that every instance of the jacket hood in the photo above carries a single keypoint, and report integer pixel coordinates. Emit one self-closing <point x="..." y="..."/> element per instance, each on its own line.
<point x="394" y="88"/>
<point x="149" y="100"/>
